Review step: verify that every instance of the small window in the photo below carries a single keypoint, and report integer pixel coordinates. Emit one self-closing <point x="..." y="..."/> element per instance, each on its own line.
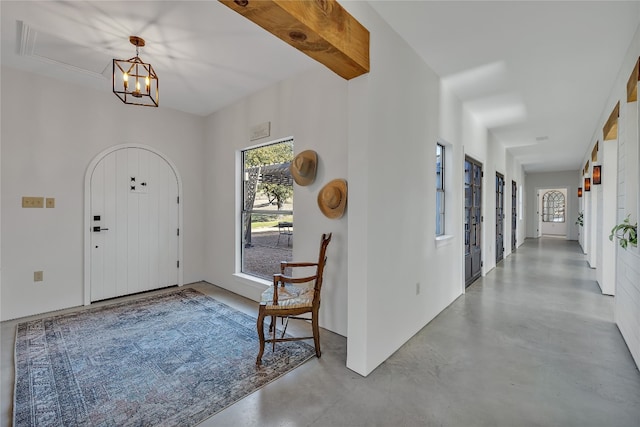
<point x="553" y="206"/>
<point x="440" y="190"/>
<point x="267" y="208"/>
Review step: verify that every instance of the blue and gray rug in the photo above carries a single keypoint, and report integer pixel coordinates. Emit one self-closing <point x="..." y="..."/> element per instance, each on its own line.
<point x="173" y="359"/>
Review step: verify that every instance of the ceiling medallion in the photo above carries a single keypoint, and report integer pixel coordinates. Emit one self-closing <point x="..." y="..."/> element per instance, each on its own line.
<point x="134" y="81"/>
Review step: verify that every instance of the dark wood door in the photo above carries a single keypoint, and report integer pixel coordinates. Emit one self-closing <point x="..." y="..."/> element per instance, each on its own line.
<point x="514" y="215"/>
<point x="499" y="217"/>
<point x="472" y="220"/>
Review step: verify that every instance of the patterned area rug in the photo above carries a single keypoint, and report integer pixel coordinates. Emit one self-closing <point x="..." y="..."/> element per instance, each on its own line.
<point x="173" y="359"/>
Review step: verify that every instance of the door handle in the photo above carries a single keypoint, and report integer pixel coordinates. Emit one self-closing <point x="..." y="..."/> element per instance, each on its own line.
<point x="98" y="229"/>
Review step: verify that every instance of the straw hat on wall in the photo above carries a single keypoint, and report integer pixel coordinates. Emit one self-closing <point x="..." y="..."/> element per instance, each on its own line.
<point x="303" y="167"/>
<point x="332" y="198"/>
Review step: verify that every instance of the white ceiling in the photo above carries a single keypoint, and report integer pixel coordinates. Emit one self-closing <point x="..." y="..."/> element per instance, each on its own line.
<point x="205" y="54"/>
<point x="537" y="73"/>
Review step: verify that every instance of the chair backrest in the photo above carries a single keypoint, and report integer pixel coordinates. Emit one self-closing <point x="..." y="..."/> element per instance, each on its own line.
<point x="322" y="259"/>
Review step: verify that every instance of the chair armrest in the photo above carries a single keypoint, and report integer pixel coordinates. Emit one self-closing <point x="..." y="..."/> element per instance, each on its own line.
<point x="286" y="264"/>
<point x="281" y="278"/>
<point x="298" y="264"/>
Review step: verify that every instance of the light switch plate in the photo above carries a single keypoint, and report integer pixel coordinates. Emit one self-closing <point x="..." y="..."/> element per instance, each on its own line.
<point x="33" y="202"/>
<point x="51" y="202"/>
<point x="38" y="276"/>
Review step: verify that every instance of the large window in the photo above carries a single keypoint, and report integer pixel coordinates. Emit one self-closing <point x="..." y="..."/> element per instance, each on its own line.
<point x="439" y="189"/>
<point x="267" y="208"/>
<point x="553" y="206"/>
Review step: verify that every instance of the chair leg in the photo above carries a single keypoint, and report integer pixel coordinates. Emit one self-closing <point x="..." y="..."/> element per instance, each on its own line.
<point x="316" y="331"/>
<point x="273" y="324"/>
<point x="260" y="326"/>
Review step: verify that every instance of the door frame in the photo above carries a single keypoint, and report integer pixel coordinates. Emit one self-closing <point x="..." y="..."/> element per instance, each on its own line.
<point x="540" y="192"/>
<point x="514" y="215"/>
<point x="500" y="257"/>
<point x="472" y="159"/>
<point x="87" y="211"/>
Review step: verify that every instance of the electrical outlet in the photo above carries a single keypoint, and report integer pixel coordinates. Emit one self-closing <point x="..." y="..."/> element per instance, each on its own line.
<point x="51" y="202"/>
<point x="38" y="276"/>
<point x="33" y="202"/>
<point x="418" y="288"/>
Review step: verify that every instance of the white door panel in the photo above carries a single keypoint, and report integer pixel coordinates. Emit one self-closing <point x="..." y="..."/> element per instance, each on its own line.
<point x="135" y="194"/>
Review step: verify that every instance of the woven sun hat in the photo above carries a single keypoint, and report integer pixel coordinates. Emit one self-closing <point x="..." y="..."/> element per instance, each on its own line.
<point x="303" y="167"/>
<point x="332" y="198"/>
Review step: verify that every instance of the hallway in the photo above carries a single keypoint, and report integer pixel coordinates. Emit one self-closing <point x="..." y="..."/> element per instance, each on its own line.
<point x="531" y="344"/>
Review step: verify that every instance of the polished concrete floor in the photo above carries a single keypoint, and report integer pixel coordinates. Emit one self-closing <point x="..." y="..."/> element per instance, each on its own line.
<point x="531" y="344"/>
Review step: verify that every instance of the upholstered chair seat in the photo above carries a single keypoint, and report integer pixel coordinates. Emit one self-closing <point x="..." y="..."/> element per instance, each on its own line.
<point x="289" y="296"/>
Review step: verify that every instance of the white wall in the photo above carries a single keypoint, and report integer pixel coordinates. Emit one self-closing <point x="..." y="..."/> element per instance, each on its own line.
<point x="627" y="289"/>
<point x="539" y="181"/>
<point x="393" y="130"/>
<point x="397" y="112"/>
<point x="581" y="207"/>
<point x="495" y="163"/>
<point x="514" y="173"/>
<point x="593" y="223"/>
<point x="311" y="107"/>
<point x="607" y="216"/>
<point x="624" y="197"/>
<point x="50" y="132"/>
<point x="499" y="161"/>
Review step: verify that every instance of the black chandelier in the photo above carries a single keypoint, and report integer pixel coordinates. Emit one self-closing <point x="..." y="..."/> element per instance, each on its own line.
<point x="135" y="82"/>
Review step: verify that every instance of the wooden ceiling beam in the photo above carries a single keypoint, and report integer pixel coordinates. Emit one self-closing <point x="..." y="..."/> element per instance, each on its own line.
<point x="322" y="29"/>
<point x="632" y="83"/>
<point x="610" y="129"/>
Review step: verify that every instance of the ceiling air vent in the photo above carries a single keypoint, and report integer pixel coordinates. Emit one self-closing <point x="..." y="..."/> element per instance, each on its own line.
<point x="51" y="49"/>
<point x="26" y="39"/>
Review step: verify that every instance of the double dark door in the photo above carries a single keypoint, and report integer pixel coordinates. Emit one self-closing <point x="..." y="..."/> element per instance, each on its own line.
<point x="499" y="217"/>
<point x="514" y="215"/>
<point x="472" y="220"/>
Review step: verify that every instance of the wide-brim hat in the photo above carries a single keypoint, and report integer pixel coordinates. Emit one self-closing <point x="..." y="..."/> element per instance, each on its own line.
<point x="332" y="198"/>
<point x="303" y="167"/>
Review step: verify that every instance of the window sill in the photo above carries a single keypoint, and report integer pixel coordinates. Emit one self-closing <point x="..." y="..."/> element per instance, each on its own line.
<point x="443" y="240"/>
<point x="252" y="281"/>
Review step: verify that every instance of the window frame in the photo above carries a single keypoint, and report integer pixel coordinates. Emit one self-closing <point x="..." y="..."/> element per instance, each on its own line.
<point x="440" y="189"/>
<point x="556" y="211"/>
<point x="243" y="210"/>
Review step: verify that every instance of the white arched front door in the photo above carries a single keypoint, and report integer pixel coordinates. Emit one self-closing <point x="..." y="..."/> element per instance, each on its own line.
<point x="132" y="223"/>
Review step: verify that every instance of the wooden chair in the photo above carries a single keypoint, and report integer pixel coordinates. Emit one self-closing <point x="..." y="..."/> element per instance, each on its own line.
<point x="287" y="299"/>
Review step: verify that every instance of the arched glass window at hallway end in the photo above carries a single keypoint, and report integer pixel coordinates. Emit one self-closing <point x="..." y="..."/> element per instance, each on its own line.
<point x="553" y="206"/>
